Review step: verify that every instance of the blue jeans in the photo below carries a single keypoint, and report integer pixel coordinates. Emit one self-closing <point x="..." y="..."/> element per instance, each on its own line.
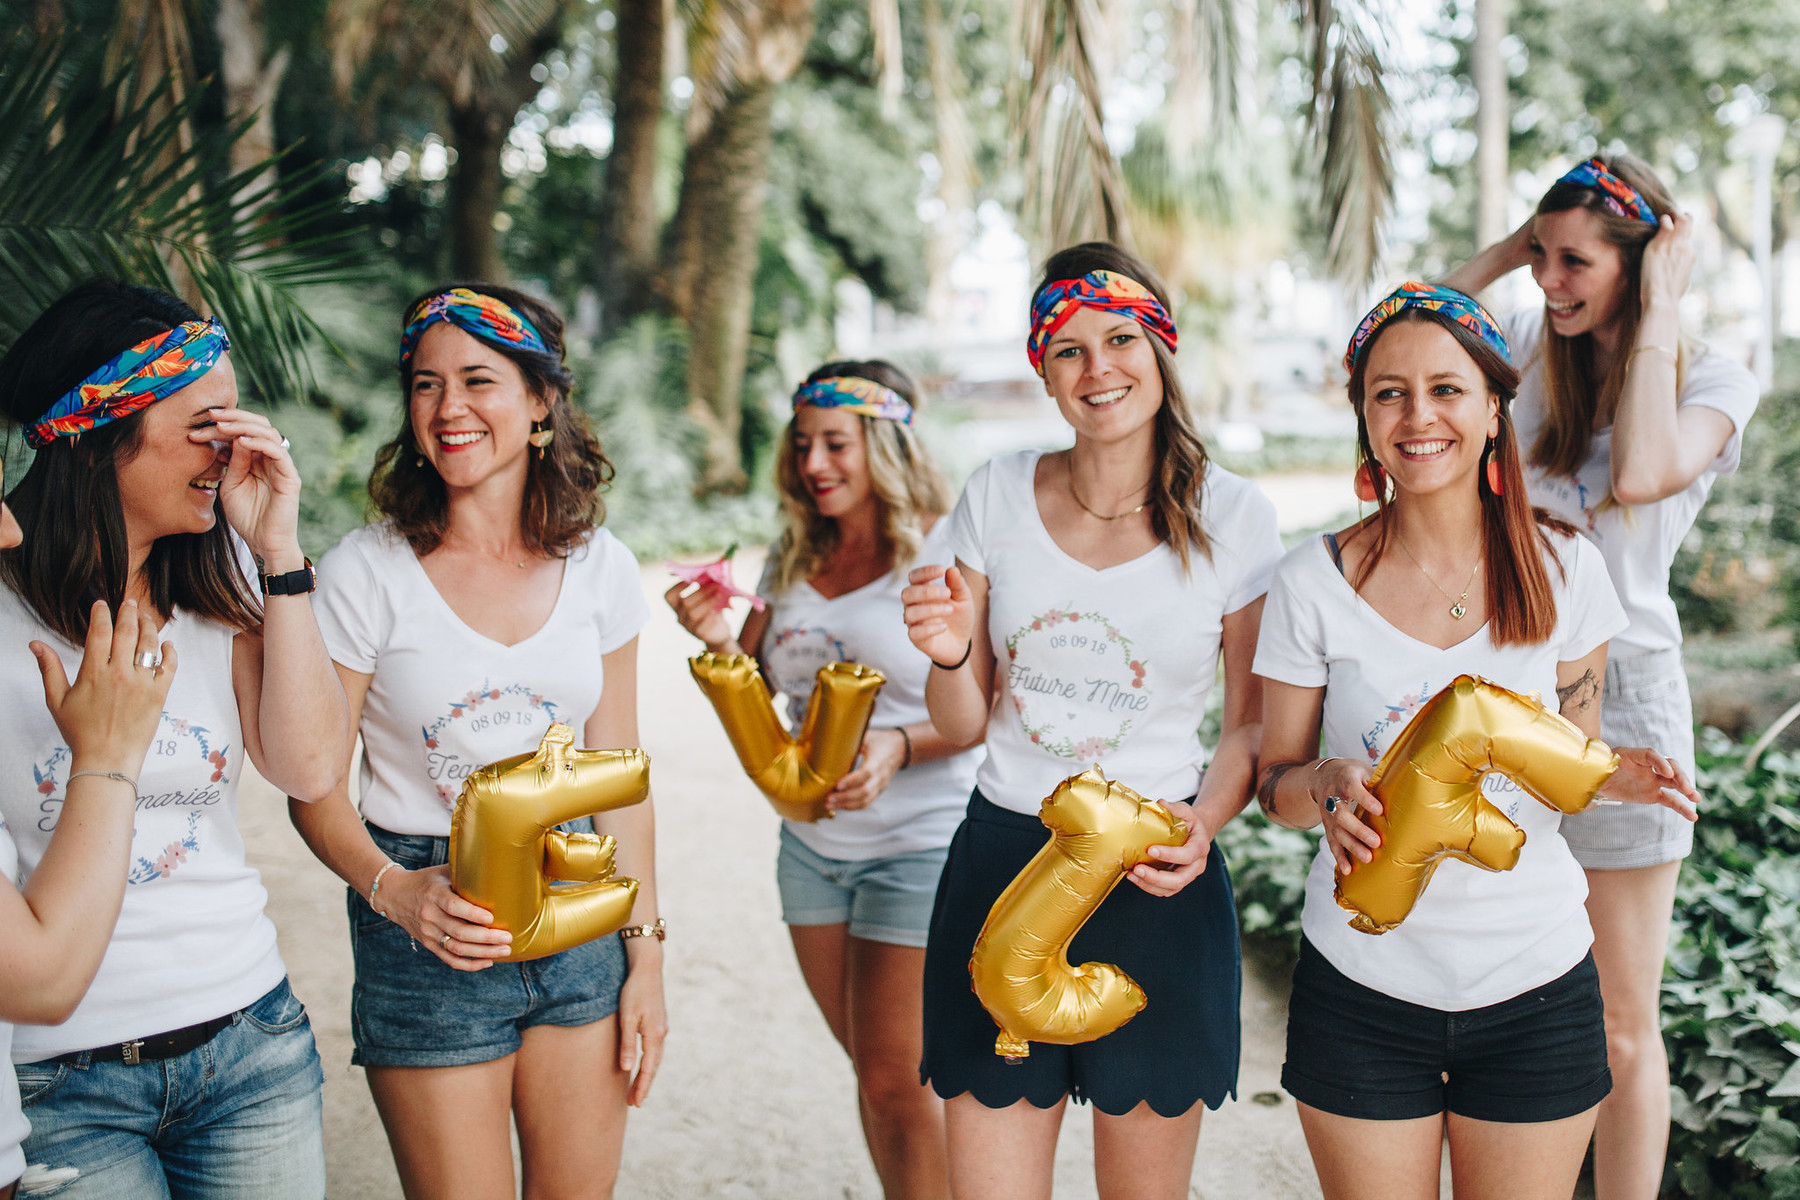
<point x="239" y="1118"/>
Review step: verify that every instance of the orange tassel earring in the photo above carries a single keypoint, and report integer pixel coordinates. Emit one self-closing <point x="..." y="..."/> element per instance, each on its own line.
<point x="1493" y="468"/>
<point x="1371" y="482"/>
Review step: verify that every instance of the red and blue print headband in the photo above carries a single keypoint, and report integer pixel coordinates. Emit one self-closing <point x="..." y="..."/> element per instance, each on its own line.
<point x="1458" y="307"/>
<point x="1105" y="290"/>
<point x="862" y="396"/>
<point x="485" y="317"/>
<point x="133" y="380"/>
<point x="1615" y="193"/>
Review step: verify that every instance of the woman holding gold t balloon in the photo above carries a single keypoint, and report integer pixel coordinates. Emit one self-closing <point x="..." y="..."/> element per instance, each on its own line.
<point x="1093" y="595"/>
<point x="485" y="607"/>
<point x="862" y="504"/>
<point x="1480" y="1014"/>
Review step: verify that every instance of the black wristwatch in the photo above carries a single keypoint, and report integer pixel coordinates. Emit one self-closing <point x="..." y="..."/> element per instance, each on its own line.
<point x="294" y="583"/>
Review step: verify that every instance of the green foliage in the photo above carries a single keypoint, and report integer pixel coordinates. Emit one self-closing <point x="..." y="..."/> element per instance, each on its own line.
<point x="1268" y="875"/>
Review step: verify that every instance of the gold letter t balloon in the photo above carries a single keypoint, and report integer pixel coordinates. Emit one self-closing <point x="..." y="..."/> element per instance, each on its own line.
<point x="505" y="848"/>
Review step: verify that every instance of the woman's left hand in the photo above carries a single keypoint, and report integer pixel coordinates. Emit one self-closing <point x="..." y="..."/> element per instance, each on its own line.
<point x="261" y="489"/>
<point x="1176" y="866"/>
<point x="1646" y="777"/>
<point x="1669" y="261"/>
<point x="883" y="750"/>
<point x="643" y="1023"/>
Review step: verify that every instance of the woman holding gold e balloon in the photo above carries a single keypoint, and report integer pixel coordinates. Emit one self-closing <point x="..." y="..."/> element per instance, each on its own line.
<point x="486" y="606"/>
<point x="862" y="504"/>
<point x="1480" y="1014"/>
<point x="1093" y="595"/>
<point x="1625" y="423"/>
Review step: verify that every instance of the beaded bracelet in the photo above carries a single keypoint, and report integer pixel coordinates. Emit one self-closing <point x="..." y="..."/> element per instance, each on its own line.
<point x="376" y="887"/>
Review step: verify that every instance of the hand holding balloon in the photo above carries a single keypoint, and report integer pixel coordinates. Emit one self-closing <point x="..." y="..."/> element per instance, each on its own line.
<point x="1169" y="868"/>
<point x="423" y="903"/>
<point x="883" y="750"/>
<point x="939" y="613"/>
<point x="1340" y="787"/>
<point x="1646" y="777"/>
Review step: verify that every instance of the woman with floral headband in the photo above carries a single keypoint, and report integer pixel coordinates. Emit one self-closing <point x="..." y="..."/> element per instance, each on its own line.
<point x="1624" y="423"/>
<point x="1093" y="595"/>
<point x="1479" y="1016"/>
<point x="487" y="605"/>
<point x="188" y="1068"/>
<point x="862" y="504"/>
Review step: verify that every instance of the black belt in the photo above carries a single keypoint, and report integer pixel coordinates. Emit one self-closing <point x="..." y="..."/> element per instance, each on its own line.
<point x="163" y="1045"/>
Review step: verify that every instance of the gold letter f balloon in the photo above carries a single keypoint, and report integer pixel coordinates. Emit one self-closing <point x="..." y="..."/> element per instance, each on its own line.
<point x="505" y="848"/>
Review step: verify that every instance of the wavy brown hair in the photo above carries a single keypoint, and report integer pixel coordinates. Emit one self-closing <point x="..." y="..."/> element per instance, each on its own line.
<point x="1574" y="392"/>
<point x="562" y="501"/>
<point x="905" y="484"/>
<point x="1520" y="603"/>
<point x="1179" y="468"/>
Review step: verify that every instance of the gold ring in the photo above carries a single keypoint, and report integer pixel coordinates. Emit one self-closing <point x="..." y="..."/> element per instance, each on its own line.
<point x="446" y="943"/>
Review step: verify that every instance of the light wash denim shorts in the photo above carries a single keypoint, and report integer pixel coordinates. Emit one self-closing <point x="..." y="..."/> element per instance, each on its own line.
<point x="408" y="1009"/>
<point x="1645" y="703"/>
<point x="883" y="899"/>
<point x="238" y="1118"/>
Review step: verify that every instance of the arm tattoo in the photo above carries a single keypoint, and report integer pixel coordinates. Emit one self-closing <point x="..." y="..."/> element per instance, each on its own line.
<point x="1265" y="795"/>
<point x="1580" y="695"/>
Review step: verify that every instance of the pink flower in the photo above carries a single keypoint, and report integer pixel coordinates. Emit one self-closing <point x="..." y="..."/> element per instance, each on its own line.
<point x="47" y="786"/>
<point x="431" y="743"/>
<point x="716" y="575"/>
<point x="494" y="695"/>
<point x="1089" y="748"/>
<point x="176" y="852"/>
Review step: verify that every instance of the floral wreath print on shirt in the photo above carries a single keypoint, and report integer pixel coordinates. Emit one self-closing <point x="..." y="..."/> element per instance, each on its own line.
<point x="1398" y="713"/>
<point x="1080" y="663"/>
<point x="439" y="763"/>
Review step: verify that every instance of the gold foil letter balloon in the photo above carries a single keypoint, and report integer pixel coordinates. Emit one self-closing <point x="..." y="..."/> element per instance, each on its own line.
<point x="1098" y="831"/>
<point x="505" y="848"/>
<point x="795" y="773"/>
<point x="1429" y="784"/>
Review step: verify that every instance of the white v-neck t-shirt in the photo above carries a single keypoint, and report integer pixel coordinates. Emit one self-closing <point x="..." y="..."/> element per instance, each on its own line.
<point x="922" y="807"/>
<point x="1109" y="666"/>
<point x="1639" y="542"/>
<point x="445" y="700"/>
<point x="1475" y="937"/>
<point x="13" y="1125"/>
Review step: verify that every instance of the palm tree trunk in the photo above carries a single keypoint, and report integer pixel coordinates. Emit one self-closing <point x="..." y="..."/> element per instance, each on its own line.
<point x="1492" y="128"/>
<point x="478" y="130"/>
<point x="626" y="256"/>
<point x="252" y="79"/>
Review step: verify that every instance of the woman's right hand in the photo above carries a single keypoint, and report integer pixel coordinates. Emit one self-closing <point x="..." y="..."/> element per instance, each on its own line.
<point x="110" y="714"/>
<point x="700" y="607"/>
<point x="940" y="613"/>
<point x="1340" y="787"/>
<point x="422" y="903"/>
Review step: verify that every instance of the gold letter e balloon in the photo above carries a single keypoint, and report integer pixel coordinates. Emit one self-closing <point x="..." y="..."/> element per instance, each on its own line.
<point x="505" y="849"/>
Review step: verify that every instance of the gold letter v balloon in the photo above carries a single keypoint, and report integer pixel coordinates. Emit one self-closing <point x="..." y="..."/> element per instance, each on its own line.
<point x="505" y="848"/>
<point x="1429" y="785"/>
<point x="1099" y="830"/>
<point x="795" y="773"/>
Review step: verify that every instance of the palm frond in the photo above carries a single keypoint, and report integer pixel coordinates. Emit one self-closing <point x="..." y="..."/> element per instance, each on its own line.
<point x="1352" y="119"/>
<point x="451" y="43"/>
<point x="737" y="43"/>
<point x="95" y="180"/>
<point x="1212" y="51"/>
<point x="1074" y="185"/>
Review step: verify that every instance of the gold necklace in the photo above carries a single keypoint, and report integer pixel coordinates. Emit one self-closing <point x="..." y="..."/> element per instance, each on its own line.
<point x="505" y="558"/>
<point x="1101" y="516"/>
<point x="1459" y="607"/>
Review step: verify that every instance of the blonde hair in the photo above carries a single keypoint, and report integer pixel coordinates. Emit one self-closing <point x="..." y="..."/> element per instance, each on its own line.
<point x="901" y="476"/>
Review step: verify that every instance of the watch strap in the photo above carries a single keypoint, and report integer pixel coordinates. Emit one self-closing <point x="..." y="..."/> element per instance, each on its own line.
<point x="292" y="583"/>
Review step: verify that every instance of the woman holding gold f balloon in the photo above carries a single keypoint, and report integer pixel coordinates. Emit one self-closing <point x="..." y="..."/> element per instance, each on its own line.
<point x="1094" y="592"/>
<point x="1479" y="1016"/>
<point x="862" y="504"/>
<point x="487" y="605"/>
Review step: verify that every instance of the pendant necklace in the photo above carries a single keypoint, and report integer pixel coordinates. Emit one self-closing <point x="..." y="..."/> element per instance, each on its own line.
<point x="1082" y="504"/>
<point x="1459" y="605"/>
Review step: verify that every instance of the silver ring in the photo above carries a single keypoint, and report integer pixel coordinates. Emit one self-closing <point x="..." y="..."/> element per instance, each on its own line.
<point x="284" y="443"/>
<point x="148" y="658"/>
<point x="1331" y="803"/>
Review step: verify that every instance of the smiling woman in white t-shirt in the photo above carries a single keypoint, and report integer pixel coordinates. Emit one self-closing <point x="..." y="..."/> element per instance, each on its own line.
<point x="1625" y="423"/>
<point x="486" y="606"/>
<point x="1094" y="594"/>
<point x="1480" y="1015"/>
<point x="863" y="505"/>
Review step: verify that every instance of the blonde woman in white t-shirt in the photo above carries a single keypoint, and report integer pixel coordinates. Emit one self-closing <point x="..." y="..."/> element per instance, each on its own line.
<point x="487" y="605"/>
<point x="1479" y="1016"/>
<point x="1625" y="422"/>
<point x="862" y="505"/>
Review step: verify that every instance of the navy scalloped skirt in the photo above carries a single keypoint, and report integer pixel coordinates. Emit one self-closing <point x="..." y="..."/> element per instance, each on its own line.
<point x="1182" y="949"/>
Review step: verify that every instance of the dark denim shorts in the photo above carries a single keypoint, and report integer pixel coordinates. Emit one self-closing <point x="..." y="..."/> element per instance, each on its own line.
<point x="1356" y="1052"/>
<point x="408" y="1009"/>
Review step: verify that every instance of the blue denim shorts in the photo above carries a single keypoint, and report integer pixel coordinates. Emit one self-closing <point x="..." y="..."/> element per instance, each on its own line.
<point x="883" y="899"/>
<point x="408" y="1009"/>
<point x="238" y="1118"/>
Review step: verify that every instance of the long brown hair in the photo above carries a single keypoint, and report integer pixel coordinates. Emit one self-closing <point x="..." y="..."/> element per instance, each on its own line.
<point x="562" y="501"/>
<point x="68" y="505"/>
<point x="1179" y="470"/>
<point x="902" y="478"/>
<point x="1520" y="603"/>
<point x="1573" y="394"/>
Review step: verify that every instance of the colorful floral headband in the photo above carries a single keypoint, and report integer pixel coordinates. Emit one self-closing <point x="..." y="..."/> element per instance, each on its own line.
<point x="485" y="317"/>
<point x="1452" y="303"/>
<point x="863" y="396"/>
<point x="1105" y="290"/>
<point x="134" y="380"/>
<point x="1615" y="193"/>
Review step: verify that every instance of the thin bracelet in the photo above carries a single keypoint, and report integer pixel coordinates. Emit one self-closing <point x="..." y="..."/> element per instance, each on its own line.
<point x="118" y="775"/>
<point x="376" y="887"/>
<point x="659" y="931"/>
<point x="1673" y="357"/>
<point x="957" y="665"/>
<point x="907" y="738"/>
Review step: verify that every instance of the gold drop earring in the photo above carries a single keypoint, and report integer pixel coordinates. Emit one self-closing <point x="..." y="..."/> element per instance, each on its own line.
<point x="541" y="435"/>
